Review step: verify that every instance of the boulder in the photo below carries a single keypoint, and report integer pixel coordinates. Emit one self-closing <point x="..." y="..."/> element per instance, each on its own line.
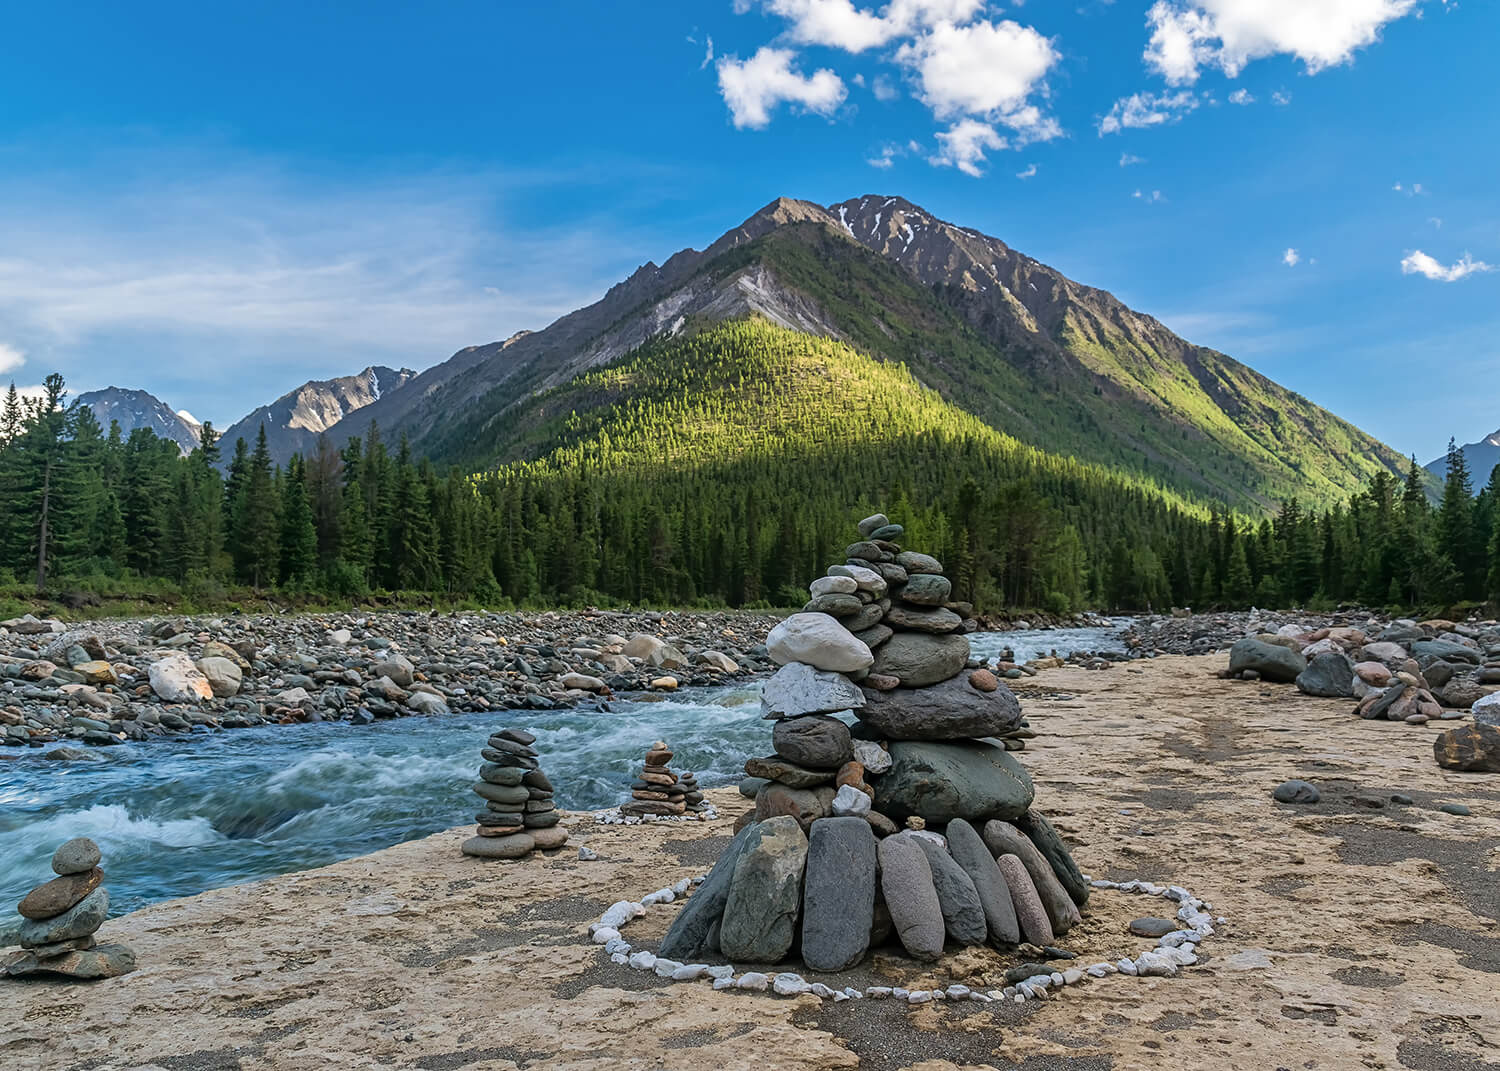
<point x="1002" y="838"/>
<point x="1329" y="675"/>
<point x="1486" y="710"/>
<point x="1042" y="834"/>
<point x="926" y="589"/>
<point x="814" y="740"/>
<point x="939" y="782"/>
<point x="911" y="897"/>
<point x="968" y="851"/>
<point x="224" y="677"/>
<point x="820" y="641"/>
<point x="963" y="914"/>
<point x="687" y="937"/>
<point x="949" y="710"/>
<point x="797" y="688"/>
<point x="100" y="961"/>
<point x="1272" y="661"/>
<point x="838" y="902"/>
<point x="791" y="774"/>
<point x="765" y="895"/>
<point x="934" y="619"/>
<point x="1447" y="651"/>
<point x="177" y="680"/>
<point x="1471" y="747"/>
<point x="918" y="659"/>
<point x="913" y="562"/>
<point x="398" y="668"/>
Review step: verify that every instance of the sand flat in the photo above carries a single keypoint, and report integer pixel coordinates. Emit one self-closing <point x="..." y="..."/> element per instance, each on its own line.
<point x="1359" y="936"/>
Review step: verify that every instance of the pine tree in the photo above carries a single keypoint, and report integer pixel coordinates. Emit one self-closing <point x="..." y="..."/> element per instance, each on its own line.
<point x="256" y="526"/>
<point x="1455" y="520"/>
<point x="299" y="536"/>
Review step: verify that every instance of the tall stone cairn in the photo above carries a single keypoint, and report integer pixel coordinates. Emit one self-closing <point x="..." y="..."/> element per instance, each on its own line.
<point x="519" y="814"/>
<point x="824" y="854"/>
<point x="58" y="921"/>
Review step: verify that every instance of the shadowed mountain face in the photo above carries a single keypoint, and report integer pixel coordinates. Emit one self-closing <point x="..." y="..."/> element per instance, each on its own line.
<point x="1059" y="365"/>
<point x="137" y="409"/>
<point x="1481" y="457"/>
<point x="294" y="421"/>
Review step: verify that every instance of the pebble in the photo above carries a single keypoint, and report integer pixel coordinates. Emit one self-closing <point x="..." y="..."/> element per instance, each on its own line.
<point x="753" y="981"/>
<point x="1455" y="808"/>
<point x="1296" y="792"/>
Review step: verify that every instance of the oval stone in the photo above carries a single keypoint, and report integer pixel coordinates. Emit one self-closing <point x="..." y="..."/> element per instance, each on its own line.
<point x="911" y="897"/>
<point x="941" y="781"/>
<point x="917" y="659"/>
<point x="765" y="895"/>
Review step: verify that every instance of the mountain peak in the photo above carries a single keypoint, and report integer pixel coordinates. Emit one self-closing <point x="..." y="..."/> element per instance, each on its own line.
<point x="138" y="409"/>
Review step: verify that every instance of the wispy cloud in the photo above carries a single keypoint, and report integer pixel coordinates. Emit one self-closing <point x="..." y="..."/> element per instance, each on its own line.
<point x="1153" y="197"/>
<point x="10" y="358"/>
<point x="1126" y="159"/>
<point x="1030" y="172"/>
<point x="1291" y="258"/>
<point x="1141" y="110"/>
<point x="1419" y="263"/>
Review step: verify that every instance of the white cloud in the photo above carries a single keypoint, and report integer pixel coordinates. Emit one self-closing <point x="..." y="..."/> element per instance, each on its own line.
<point x="986" y="70"/>
<point x="1291" y="258"/>
<point x="1189" y="35"/>
<point x="883" y="89"/>
<point x="1126" y="159"/>
<point x="964" y="144"/>
<point x="1141" y="110"/>
<point x="1241" y="96"/>
<point x="1281" y="98"/>
<point x="10" y="358"/>
<point x="1030" y="172"/>
<point x="1436" y="222"/>
<point x="1419" y="263"/>
<point x="839" y="24"/>
<point x="708" y="54"/>
<point x="1416" y="189"/>
<point x="1154" y="197"/>
<point x="754" y="87"/>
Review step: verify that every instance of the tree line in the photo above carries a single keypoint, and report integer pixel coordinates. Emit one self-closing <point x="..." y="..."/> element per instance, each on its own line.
<point x="651" y="505"/>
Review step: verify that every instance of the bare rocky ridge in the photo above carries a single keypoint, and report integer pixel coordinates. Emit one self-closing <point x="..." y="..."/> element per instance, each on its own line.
<point x="137" y="409"/>
<point x="1481" y="457"/>
<point x="294" y="421"/>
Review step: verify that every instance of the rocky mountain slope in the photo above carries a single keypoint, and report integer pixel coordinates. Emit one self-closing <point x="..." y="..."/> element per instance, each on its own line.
<point x="137" y="409"/>
<point x="1481" y="458"/>
<point x="1058" y="365"/>
<point x="294" y="421"/>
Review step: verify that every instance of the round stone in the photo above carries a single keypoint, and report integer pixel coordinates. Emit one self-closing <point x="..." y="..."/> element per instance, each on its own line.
<point x="59" y="894"/>
<point x="1296" y="792"/>
<point x="549" y="839"/>
<point x="77" y="856"/>
<point x="512" y="847"/>
<point x="918" y="659"/>
<point x="502" y="793"/>
<point x="1152" y="927"/>
<point x="815" y="740"/>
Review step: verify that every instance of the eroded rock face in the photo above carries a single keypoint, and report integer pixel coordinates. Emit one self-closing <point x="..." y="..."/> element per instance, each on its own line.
<point x="765" y="896"/>
<point x="941" y="781"/>
<point x="951" y="710"/>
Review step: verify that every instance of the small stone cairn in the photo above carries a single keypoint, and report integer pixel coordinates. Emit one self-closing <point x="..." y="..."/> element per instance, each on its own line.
<point x="660" y="793"/>
<point x="823" y="859"/>
<point x="59" y="918"/>
<point x="519" y="814"/>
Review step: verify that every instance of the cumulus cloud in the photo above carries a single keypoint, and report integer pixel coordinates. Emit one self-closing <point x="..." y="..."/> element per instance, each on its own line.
<point x="754" y="87"/>
<point x="1419" y="263"/>
<point x="1190" y="35"/>
<point x="984" y="69"/>
<point x="10" y="358"/>
<point x="1291" y="258"/>
<point x="1147" y="109"/>
<point x="1241" y="96"/>
<point x="839" y="24"/>
<point x="964" y="144"/>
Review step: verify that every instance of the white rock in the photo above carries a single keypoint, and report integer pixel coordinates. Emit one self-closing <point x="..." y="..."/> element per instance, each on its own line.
<point x="878" y="992"/>
<point x="721" y="971"/>
<point x="582" y="681"/>
<point x="874" y="758"/>
<point x="177" y="680"/>
<point x="665" y="968"/>
<point x="426" y="703"/>
<point x="753" y="981"/>
<point x="789" y="985"/>
<point x="820" y="641"/>
<point x="588" y="855"/>
<point x="864" y="579"/>
<point x="833" y="585"/>
<point x="605" y="934"/>
<point x="618" y="913"/>
<point x="620" y="958"/>
<point x="797" y="688"/>
<point x="643" y="961"/>
<point x="723" y="983"/>
<point x="224" y="677"/>
<point x="920" y="996"/>
<point x="1072" y="976"/>
<point x="340" y="637"/>
<point x="850" y="802"/>
<point x="1489" y="706"/>
<point x="822" y="991"/>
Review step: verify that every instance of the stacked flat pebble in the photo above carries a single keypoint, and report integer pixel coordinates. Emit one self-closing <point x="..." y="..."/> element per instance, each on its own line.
<point x="59" y="919"/>
<point x="657" y="792"/>
<point x="520" y="815"/>
<point x="823" y="861"/>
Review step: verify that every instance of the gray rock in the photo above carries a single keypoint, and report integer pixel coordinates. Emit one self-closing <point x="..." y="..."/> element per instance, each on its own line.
<point x="765" y="895"/>
<point x="874" y="758"/>
<point x="1036" y="827"/>
<point x="917" y="659"/>
<point x="926" y="589"/>
<point x="911" y="897"/>
<point x="942" y="781"/>
<point x="838" y="904"/>
<point x="1031" y="915"/>
<point x="814" y="740"/>
<point x="1448" y="652"/>
<point x="1296" y="792"/>
<point x="101" y="961"/>
<point x="872" y="523"/>
<point x="950" y="710"/>
<point x="834" y="605"/>
<point x="969" y="852"/>
<point x="1272" y="661"/>
<point x="1002" y="838"/>
<point x="1329" y="675"/>
<point x="797" y="688"/>
<point x="791" y="774"/>
<point x="934" y="619"/>
<point x="963" y="914"/>
<point x="515" y="846"/>
<point x="77" y="856"/>
<point x="913" y="562"/>
<point x="1152" y="927"/>
<point x="750" y="786"/>
<point x="687" y="937"/>
<point x="80" y="920"/>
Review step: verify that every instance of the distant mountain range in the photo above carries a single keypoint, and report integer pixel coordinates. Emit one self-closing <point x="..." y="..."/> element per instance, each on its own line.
<point x="137" y="409"/>
<point x="1481" y="457"/>
<point x="1058" y="365"/>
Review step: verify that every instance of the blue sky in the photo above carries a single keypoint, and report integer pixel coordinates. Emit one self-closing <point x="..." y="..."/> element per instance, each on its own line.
<point x="218" y="202"/>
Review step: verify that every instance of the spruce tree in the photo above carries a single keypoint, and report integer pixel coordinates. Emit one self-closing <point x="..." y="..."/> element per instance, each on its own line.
<point x="1455" y="520"/>
<point x="256" y="525"/>
<point x="299" y="536"/>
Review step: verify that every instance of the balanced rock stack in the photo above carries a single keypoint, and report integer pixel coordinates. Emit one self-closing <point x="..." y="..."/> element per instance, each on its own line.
<point x="519" y="814"/>
<point x="823" y="861"/>
<point x="660" y="793"/>
<point x="59" y="919"/>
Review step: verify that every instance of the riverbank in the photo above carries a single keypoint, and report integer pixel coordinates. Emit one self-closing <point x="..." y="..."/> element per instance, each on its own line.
<point x="1361" y="932"/>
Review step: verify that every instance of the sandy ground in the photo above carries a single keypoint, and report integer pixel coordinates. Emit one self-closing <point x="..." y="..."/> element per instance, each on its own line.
<point x="1362" y="933"/>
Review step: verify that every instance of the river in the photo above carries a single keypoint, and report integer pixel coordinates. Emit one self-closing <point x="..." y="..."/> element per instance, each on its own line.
<point x="193" y="812"/>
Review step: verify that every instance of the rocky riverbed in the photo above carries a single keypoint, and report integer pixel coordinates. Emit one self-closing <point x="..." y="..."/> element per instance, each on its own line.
<point x="1364" y="930"/>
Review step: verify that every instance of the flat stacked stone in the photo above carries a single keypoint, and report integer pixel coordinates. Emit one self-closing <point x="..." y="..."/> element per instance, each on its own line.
<point x="59" y="919"/>
<point x="881" y="718"/>
<point x="692" y="795"/>
<point x="520" y="814"/>
<point x="658" y="792"/>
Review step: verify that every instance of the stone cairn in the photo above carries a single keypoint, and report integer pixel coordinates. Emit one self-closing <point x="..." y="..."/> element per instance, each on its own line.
<point x="519" y="814"/>
<point x="660" y="793"/>
<point x="822" y="861"/>
<point x="59" y="919"/>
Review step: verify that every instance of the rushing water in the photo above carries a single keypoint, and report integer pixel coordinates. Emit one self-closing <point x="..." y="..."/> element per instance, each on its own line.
<point x="177" y="816"/>
<point x="1037" y="643"/>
